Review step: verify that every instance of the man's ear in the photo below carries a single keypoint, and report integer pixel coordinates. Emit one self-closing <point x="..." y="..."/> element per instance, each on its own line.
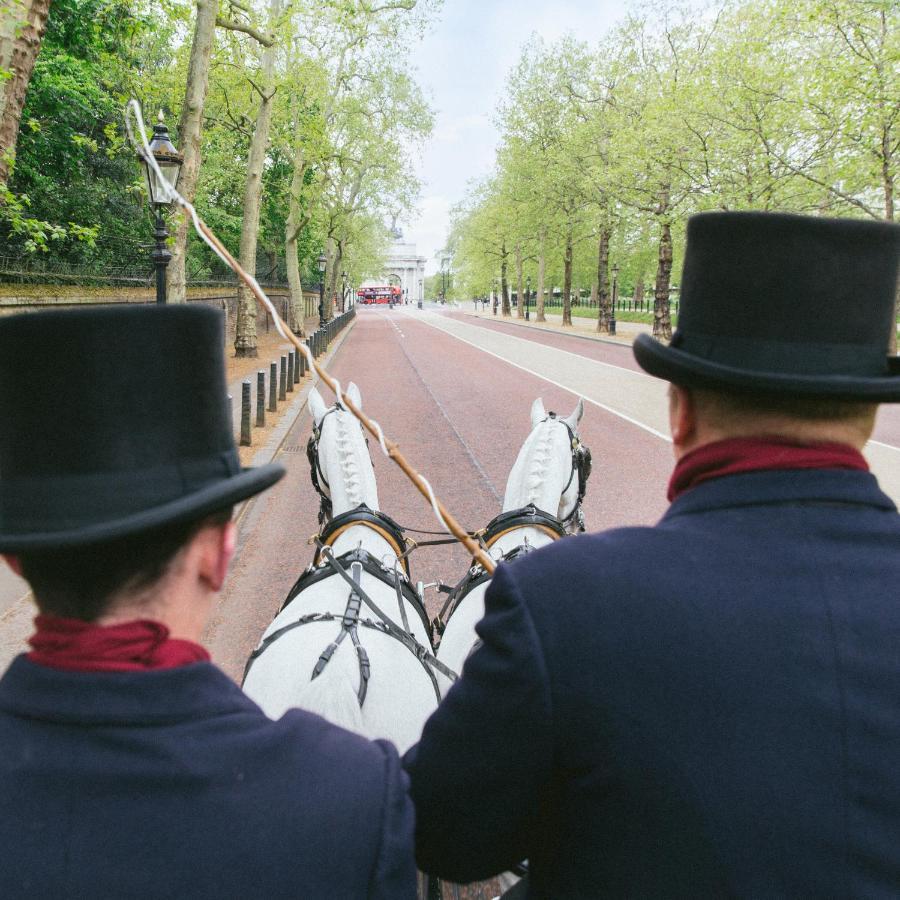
<point x="13" y="563"/>
<point x="216" y="551"/>
<point x="682" y="418"/>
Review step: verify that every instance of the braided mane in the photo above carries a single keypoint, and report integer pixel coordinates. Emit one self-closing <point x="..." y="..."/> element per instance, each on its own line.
<point x="541" y="455"/>
<point x="347" y="459"/>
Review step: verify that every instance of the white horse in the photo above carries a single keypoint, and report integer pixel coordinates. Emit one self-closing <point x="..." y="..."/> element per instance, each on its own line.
<point x="356" y="658"/>
<point x="541" y="504"/>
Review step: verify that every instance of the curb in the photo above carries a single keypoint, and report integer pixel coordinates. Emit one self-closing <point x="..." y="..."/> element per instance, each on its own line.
<point x="551" y="330"/>
<point x="289" y="418"/>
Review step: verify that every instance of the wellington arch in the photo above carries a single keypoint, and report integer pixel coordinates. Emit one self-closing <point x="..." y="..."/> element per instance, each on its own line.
<point x="403" y="266"/>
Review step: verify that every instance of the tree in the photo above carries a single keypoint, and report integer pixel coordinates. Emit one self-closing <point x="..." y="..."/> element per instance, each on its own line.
<point x="22" y="26"/>
<point x="245" y="330"/>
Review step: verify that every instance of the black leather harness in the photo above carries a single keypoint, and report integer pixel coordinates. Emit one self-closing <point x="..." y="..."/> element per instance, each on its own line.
<point x="360" y="561"/>
<point x="363" y="515"/>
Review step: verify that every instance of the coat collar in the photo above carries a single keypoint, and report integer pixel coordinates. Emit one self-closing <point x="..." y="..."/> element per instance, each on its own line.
<point x="777" y="487"/>
<point x="120" y="698"/>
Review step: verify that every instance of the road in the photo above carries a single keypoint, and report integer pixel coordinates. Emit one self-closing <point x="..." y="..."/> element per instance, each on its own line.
<point x="456" y="393"/>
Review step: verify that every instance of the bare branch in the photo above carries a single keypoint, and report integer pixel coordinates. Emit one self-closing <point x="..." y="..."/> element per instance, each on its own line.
<point x="265" y="40"/>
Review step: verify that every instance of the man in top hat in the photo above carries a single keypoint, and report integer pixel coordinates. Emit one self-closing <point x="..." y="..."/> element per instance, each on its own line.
<point x="710" y="706"/>
<point x="130" y="766"/>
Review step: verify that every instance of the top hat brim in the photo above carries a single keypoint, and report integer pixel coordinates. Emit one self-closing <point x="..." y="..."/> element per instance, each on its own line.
<point x="690" y="370"/>
<point x="196" y="505"/>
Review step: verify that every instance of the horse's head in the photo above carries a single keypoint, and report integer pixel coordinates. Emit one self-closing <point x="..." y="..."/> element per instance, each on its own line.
<point x="552" y="468"/>
<point x="340" y="467"/>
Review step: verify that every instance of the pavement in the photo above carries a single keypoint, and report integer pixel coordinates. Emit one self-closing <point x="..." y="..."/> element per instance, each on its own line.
<point x="582" y="326"/>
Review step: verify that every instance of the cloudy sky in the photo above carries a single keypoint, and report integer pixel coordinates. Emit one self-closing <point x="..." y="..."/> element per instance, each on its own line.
<point x="462" y="66"/>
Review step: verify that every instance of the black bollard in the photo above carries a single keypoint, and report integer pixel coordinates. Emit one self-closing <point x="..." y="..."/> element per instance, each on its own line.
<point x="282" y="379"/>
<point x="290" y="373"/>
<point x="301" y="359"/>
<point x="260" y="399"/>
<point x="245" y="414"/>
<point x="273" y="382"/>
<point x="298" y="362"/>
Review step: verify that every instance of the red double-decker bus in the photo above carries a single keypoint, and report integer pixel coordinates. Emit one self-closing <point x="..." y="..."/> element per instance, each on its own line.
<point x="380" y="294"/>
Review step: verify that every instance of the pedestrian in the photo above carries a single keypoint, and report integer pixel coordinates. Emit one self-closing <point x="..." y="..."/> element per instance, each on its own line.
<point x="707" y="707"/>
<point x="130" y="766"/>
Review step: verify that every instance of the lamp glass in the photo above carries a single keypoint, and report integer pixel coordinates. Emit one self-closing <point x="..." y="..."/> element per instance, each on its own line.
<point x="323" y="262"/>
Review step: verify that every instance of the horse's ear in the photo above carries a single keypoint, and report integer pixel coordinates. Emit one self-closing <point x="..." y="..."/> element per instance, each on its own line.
<point x="317" y="406"/>
<point x="538" y="413"/>
<point x="353" y="395"/>
<point x="573" y="420"/>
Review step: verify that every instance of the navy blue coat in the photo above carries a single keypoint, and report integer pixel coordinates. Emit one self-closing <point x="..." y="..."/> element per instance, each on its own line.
<point x="174" y="784"/>
<point x="708" y="707"/>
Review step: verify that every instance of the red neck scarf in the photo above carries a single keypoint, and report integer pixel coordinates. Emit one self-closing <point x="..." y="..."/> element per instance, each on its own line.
<point x="737" y="455"/>
<point x="138" y="646"/>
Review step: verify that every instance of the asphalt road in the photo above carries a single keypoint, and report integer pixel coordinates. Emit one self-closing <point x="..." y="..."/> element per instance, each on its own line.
<point x="456" y="393"/>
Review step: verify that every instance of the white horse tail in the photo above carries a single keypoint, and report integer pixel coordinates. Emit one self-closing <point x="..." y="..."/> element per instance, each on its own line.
<point x="333" y="697"/>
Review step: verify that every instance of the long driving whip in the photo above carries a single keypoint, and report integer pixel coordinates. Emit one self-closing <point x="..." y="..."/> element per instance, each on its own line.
<point x="389" y="448"/>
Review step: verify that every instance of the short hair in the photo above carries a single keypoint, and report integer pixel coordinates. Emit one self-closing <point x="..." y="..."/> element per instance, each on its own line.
<point x="727" y="407"/>
<point x="80" y="582"/>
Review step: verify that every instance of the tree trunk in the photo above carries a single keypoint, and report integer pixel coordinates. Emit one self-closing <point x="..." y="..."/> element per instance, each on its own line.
<point x="22" y="26"/>
<point x="295" y="223"/>
<point x="639" y="293"/>
<point x="189" y="138"/>
<point x="567" y="281"/>
<point x="603" y="282"/>
<point x="540" y="279"/>
<point x="520" y="288"/>
<point x="335" y="259"/>
<point x="888" y="183"/>
<point x="245" y="331"/>
<point x="662" y="322"/>
<point x="504" y="286"/>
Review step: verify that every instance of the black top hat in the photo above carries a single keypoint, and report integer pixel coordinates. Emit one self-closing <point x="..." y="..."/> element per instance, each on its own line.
<point x="114" y="421"/>
<point x="778" y="303"/>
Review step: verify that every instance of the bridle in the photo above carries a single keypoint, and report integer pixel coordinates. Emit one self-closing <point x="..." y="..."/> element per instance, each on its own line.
<point x="526" y="516"/>
<point x="315" y="467"/>
<point x="532" y="516"/>
<point x="582" y="465"/>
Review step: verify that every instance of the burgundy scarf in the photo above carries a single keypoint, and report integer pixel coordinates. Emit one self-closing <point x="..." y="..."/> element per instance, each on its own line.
<point x="737" y="455"/>
<point x="138" y="646"/>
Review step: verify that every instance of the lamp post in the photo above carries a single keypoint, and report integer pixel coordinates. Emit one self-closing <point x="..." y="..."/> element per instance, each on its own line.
<point x="615" y="297"/>
<point x="343" y="291"/>
<point x="323" y="265"/>
<point x="496" y="288"/>
<point x="169" y="161"/>
<point x="527" y="298"/>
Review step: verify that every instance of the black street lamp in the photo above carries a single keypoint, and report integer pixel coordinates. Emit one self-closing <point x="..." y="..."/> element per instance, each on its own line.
<point x="615" y="297"/>
<point x="527" y="299"/>
<point x="169" y="161"/>
<point x="323" y="265"/>
<point x="343" y="292"/>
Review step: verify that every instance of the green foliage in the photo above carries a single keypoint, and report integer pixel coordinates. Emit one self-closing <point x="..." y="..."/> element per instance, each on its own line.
<point x="72" y="192"/>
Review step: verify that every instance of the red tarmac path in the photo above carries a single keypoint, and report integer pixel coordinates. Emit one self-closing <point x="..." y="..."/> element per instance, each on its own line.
<point x="460" y="416"/>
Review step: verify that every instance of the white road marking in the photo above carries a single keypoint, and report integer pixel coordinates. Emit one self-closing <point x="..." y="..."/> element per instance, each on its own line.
<point x="577" y="391"/>
<point x="634" y="389"/>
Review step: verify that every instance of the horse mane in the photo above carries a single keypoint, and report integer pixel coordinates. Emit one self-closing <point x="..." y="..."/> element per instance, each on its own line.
<point x="540" y="458"/>
<point x="347" y="454"/>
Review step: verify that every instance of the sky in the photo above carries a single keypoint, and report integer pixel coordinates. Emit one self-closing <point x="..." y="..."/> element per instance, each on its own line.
<point x="462" y="66"/>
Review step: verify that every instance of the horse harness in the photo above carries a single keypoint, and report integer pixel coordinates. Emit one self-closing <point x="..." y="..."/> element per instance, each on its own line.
<point x="359" y="561"/>
<point x="379" y="522"/>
